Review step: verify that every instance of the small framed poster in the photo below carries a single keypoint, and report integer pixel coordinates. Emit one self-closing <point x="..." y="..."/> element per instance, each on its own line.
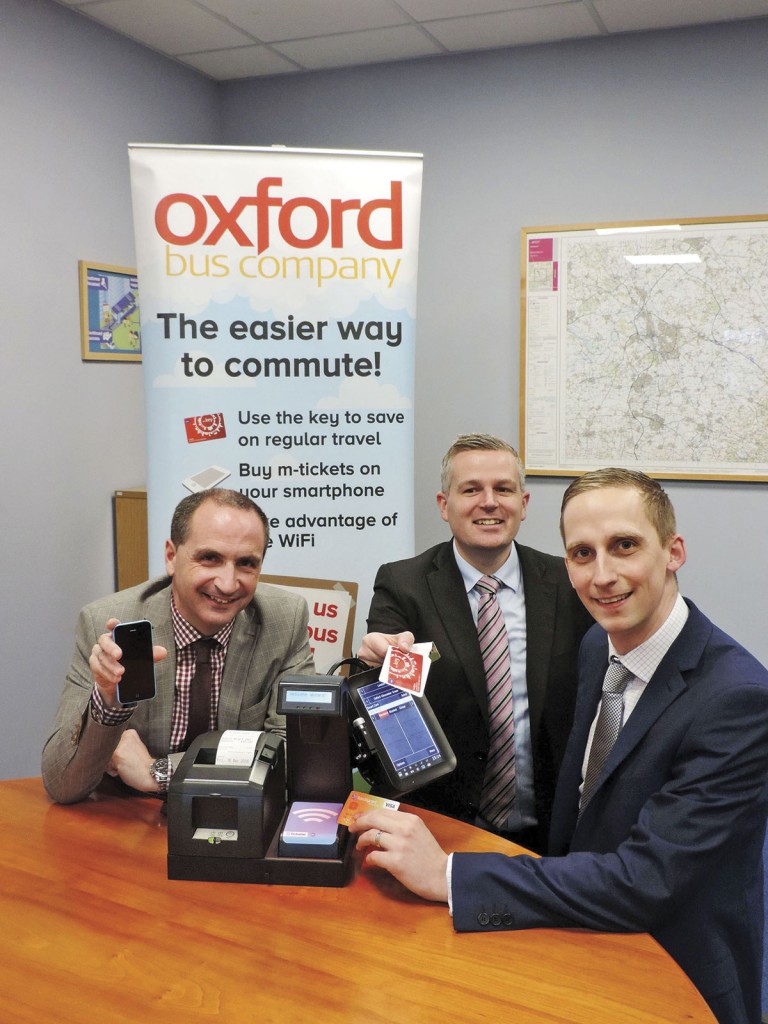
<point x="109" y="313"/>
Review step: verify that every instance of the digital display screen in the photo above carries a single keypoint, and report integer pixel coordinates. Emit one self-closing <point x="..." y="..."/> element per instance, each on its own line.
<point x="309" y="696"/>
<point x="401" y="728"/>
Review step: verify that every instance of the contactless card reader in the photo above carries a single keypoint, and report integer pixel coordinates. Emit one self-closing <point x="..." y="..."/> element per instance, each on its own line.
<point x="255" y="822"/>
<point x="319" y="779"/>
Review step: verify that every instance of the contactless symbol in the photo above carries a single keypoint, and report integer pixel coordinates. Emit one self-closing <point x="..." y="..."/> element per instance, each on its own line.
<point x="316" y="815"/>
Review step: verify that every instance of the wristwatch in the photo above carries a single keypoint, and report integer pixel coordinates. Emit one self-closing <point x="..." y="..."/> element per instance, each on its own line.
<point x="161" y="772"/>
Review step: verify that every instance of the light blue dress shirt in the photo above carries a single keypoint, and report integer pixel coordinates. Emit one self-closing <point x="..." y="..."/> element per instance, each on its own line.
<point x="512" y="601"/>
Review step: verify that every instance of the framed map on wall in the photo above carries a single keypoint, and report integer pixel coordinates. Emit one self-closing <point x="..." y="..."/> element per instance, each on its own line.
<point x="645" y="345"/>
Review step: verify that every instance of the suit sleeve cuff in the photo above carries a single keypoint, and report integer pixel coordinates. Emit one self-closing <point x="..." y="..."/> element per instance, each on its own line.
<point x="448" y="876"/>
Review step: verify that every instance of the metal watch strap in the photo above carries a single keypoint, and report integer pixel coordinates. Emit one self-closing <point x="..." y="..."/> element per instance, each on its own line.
<point x="160" y="770"/>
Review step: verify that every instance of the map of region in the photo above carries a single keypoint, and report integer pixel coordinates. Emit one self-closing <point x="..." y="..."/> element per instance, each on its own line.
<point x="665" y="365"/>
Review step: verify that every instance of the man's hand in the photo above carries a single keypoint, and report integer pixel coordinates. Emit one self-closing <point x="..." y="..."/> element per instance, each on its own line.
<point x="403" y="845"/>
<point x="131" y="761"/>
<point x="373" y="649"/>
<point x="105" y="665"/>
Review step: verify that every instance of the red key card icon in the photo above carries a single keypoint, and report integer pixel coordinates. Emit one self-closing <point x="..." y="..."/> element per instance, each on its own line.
<point x="209" y="427"/>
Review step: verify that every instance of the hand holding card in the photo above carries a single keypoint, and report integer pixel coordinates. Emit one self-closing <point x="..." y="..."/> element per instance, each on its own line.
<point x="408" y="669"/>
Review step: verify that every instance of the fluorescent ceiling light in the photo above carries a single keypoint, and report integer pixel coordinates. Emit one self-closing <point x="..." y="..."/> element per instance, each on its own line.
<point x="637" y="230"/>
<point x="672" y="257"/>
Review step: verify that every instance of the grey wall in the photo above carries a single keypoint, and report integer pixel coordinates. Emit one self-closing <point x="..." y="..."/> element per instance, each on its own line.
<point x="658" y="125"/>
<point x="71" y="433"/>
<point x="646" y="126"/>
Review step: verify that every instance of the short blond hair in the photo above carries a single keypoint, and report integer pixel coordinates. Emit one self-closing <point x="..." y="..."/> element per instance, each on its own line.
<point x="476" y="443"/>
<point x="658" y="507"/>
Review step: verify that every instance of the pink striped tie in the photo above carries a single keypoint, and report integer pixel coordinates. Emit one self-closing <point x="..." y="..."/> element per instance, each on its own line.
<point x="499" y="784"/>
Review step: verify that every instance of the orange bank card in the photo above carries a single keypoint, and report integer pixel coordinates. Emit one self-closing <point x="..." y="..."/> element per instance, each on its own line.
<point x="356" y="803"/>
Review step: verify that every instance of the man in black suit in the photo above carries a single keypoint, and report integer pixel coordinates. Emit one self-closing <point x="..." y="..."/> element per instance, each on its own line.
<point x="435" y="597"/>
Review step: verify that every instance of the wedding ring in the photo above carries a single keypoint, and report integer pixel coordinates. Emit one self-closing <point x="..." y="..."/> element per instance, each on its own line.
<point x="377" y="839"/>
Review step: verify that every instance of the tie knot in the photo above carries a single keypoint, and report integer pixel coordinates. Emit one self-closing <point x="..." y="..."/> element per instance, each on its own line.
<point x="488" y="585"/>
<point x="204" y="648"/>
<point x="616" y="677"/>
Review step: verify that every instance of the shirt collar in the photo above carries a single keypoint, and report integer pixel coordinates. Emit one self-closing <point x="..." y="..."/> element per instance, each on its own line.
<point x="185" y="634"/>
<point x="508" y="573"/>
<point x="643" y="660"/>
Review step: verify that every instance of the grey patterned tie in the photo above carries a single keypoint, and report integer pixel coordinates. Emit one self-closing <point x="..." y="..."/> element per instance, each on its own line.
<point x="608" y="726"/>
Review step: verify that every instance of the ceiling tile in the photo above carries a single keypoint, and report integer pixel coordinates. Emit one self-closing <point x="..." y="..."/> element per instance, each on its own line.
<point x="220" y="34"/>
<point x="629" y="15"/>
<point x="243" y="62"/>
<point x="172" y="26"/>
<point x="298" y="19"/>
<point x="360" y="48"/>
<point x="433" y="10"/>
<point x="514" y="28"/>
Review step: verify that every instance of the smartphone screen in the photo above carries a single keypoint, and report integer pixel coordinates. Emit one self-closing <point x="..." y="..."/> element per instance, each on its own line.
<point x="135" y="641"/>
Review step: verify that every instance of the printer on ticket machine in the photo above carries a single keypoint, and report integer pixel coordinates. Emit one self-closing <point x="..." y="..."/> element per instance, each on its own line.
<point x="222" y="814"/>
<point x="229" y="822"/>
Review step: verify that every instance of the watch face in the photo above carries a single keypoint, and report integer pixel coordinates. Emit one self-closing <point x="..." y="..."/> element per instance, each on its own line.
<point x="160" y="771"/>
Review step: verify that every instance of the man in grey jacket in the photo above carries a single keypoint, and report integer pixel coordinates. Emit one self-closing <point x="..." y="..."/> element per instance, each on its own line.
<point x="213" y="560"/>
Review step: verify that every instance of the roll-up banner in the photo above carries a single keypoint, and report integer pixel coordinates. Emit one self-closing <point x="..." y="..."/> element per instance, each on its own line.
<point x="277" y="292"/>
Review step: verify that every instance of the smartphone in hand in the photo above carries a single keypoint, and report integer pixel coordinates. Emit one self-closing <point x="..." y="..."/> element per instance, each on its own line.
<point x="135" y="641"/>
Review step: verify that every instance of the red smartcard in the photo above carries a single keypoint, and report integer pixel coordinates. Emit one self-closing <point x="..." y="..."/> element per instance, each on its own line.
<point x="404" y="669"/>
<point x="209" y="427"/>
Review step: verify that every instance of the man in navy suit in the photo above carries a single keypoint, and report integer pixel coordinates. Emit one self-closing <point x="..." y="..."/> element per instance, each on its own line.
<point x="435" y="596"/>
<point x="668" y="838"/>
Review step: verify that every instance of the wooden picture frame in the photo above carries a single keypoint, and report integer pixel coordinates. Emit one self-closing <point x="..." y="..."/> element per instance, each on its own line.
<point x="643" y="344"/>
<point x="109" y="313"/>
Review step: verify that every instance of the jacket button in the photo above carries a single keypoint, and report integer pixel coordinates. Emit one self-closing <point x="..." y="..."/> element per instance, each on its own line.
<point x="507" y="920"/>
<point x="483" y="919"/>
<point x="495" y="920"/>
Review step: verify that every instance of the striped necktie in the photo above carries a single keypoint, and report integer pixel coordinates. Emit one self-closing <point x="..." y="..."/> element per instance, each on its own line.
<point x="499" y="783"/>
<point x="608" y="726"/>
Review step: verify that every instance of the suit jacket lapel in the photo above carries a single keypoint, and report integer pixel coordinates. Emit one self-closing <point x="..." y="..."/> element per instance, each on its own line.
<point x="240" y="651"/>
<point x="452" y="605"/>
<point x="664" y="687"/>
<point x="540" y="604"/>
<point x="661" y="691"/>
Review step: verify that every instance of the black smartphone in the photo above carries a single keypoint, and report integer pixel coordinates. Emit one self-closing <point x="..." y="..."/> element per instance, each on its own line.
<point x="135" y="641"/>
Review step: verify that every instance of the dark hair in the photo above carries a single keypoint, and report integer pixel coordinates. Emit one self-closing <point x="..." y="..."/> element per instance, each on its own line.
<point x="476" y="443"/>
<point x="658" y="507"/>
<point x="182" y="515"/>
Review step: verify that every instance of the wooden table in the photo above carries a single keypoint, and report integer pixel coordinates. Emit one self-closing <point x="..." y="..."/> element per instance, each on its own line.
<point x="92" y="930"/>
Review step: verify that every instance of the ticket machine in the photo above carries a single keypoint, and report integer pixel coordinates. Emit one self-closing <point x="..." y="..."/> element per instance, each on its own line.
<point x="265" y="820"/>
<point x="270" y="814"/>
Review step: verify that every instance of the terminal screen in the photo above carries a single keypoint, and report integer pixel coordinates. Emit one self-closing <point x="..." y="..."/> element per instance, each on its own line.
<point x="401" y="729"/>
